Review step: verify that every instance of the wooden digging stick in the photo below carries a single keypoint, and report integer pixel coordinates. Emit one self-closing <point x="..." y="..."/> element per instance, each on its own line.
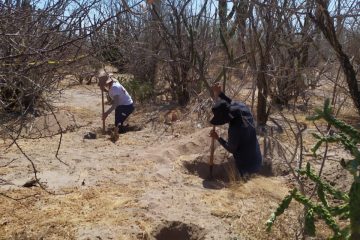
<point x="212" y="150"/>
<point x="103" y="110"/>
<point x="212" y="147"/>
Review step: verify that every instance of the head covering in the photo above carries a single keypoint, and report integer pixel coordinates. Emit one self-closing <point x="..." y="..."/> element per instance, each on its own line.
<point x="221" y="111"/>
<point x="104" y="79"/>
<point x="242" y="112"/>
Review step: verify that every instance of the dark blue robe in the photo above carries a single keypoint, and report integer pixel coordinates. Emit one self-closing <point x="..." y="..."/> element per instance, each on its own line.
<point x="242" y="141"/>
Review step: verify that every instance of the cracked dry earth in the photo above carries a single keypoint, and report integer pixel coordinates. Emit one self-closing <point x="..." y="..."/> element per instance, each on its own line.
<point x="140" y="187"/>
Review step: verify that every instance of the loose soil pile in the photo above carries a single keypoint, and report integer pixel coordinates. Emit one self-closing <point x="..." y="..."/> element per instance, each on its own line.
<point x="151" y="184"/>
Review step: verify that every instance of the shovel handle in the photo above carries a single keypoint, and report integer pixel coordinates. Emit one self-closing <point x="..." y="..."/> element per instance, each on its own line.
<point x="103" y="110"/>
<point x="212" y="150"/>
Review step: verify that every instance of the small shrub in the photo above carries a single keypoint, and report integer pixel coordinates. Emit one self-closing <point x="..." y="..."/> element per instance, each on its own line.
<point x="349" y="208"/>
<point x="139" y="91"/>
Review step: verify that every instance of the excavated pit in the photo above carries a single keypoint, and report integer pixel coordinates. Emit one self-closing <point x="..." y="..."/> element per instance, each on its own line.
<point x="224" y="171"/>
<point x="267" y="169"/>
<point x="175" y="230"/>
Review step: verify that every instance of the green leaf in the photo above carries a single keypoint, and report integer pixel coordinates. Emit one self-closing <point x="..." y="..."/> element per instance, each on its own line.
<point x="316" y="147"/>
<point x="325" y="186"/>
<point x="310" y="223"/>
<point x="322" y="196"/>
<point x="280" y="210"/>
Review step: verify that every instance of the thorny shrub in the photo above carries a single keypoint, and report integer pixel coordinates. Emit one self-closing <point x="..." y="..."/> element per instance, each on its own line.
<point x="349" y="208"/>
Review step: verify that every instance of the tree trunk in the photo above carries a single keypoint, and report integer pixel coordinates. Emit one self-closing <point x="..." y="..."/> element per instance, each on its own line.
<point x="326" y="25"/>
<point x="222" y="17"/>
<point x="261" y="110"/>
<point x="152" y="64"/>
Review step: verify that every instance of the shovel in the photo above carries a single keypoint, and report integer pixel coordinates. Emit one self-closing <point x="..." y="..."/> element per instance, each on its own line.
<point x="211" y="160"/>
<point x="103" y="110"/>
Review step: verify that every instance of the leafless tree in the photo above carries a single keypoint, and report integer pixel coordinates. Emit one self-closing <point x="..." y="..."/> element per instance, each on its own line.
<point x="322" y="18"/>
<point x="40" y="40"/>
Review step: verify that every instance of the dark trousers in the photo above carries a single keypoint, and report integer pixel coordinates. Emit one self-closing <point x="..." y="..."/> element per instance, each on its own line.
<point x="122" y="112"/>
<point x="247" y="168"/>
<point x="250" y="161"/>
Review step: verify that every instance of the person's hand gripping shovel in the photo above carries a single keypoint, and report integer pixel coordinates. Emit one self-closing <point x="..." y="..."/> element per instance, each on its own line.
<point x="214" y="136"/>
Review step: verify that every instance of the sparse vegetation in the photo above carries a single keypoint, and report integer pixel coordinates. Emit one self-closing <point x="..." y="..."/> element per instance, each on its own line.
<point x="140" y="91"/>
<point x="349" y="207"/>
<point x="282" y="58"/>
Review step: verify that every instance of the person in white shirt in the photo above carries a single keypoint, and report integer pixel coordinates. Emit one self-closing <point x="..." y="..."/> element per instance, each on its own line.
<point x="122" y="101"/>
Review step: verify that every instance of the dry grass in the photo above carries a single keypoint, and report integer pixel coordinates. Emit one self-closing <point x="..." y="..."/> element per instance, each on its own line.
<point x="125" y="210"/>
<point x="58" y="216"/>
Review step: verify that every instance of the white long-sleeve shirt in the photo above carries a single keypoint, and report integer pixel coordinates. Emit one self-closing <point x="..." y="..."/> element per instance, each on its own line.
<point x="119" y="94"/>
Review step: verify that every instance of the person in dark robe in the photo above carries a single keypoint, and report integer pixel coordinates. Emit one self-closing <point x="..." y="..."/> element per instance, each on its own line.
<point x="242" y="141"/>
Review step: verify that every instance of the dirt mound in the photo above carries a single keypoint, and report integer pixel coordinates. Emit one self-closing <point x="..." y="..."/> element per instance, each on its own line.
<point x="52" y="124"/>
<point x="174" y="149"/>
<point x="123" y="190"/>
<point x="178" y="231"/>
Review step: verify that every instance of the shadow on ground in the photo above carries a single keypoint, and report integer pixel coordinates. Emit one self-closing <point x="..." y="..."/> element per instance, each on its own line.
<point x="223" y="174"/>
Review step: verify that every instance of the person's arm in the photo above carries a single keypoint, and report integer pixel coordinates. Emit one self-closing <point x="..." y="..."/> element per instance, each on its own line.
<point x="224" y="97"/>
<point x="218" y="93"/>
<point x="232" y="144"/>
<point x="115" y="103"/>
<point x="227" y="145"/>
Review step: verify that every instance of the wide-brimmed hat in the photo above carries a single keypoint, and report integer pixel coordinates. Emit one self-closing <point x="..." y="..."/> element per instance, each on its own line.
<point x="221" y="111"/>
<point x="104" y="79"/>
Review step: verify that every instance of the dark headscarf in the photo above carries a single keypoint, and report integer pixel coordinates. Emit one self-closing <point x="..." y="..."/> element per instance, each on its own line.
<point x="225" y="113"/>
<point x="221" y="111"/>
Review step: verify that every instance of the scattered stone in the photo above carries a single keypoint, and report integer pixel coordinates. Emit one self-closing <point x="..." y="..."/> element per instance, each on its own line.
<point x="30" y="183"/>
<point x="90" y="135"/>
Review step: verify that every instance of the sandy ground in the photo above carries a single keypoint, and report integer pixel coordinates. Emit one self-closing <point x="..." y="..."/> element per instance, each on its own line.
<point x="150" y="184"/>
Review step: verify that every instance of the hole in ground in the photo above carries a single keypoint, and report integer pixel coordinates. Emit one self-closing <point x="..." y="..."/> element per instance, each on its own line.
<point x="267" y="168"/>
<point x="99" y="131"/>
<point x="176" y="230"/>
<point x="130" y="128"/>
<point x="224" y="172"/>
<point x="274" y="167"/>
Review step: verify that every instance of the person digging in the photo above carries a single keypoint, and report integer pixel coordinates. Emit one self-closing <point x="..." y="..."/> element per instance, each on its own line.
<point x="122" y="102"/>
<point x="242" y="141"/>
